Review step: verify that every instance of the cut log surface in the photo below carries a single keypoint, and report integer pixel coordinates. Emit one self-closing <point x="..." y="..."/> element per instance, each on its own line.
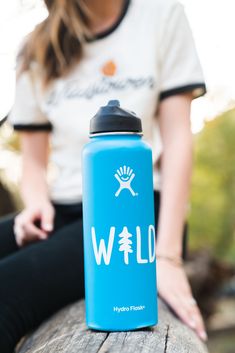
<point x="66" y="332"/>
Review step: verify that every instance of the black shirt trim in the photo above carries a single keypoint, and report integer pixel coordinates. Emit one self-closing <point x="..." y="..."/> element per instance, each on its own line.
<point x="2" y="121"/>
<point x="199" y="90"/>
<point x="110" y="30"/>
<point x="33" y="127"/>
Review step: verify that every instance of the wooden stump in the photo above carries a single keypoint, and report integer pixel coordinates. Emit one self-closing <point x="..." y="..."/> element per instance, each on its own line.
<point x="66" y="332"/>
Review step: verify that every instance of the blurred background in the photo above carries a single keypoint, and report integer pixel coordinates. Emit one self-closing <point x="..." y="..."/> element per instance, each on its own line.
<point x="211" y="262"/>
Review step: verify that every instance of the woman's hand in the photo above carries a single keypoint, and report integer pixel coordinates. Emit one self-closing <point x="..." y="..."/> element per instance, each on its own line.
<point x="174" y="289"/>
<point x="34" y="223"/>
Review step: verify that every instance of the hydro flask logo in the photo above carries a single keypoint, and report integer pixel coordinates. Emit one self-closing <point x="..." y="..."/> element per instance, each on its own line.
<point x="125" y="176"/>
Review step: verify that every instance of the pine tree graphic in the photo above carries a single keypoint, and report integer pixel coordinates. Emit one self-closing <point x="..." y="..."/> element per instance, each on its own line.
<point x="125" y="244"/>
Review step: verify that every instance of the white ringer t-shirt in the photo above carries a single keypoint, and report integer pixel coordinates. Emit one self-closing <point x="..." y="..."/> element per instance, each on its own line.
<point x="147" y="56"/>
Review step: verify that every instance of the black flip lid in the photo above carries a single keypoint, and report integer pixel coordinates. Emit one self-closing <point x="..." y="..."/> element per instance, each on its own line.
<point x="113" y="118"/>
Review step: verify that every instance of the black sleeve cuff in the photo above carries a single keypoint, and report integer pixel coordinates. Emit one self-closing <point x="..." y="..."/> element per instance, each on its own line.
<point x="198" y="90"/>
<point x="33" y="127"/>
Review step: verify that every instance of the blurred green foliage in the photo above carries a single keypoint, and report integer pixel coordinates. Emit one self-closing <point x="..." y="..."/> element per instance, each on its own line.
<point x="9" y="192"/>
<point x="212" y="216"/>
<point x="9" y="140"/>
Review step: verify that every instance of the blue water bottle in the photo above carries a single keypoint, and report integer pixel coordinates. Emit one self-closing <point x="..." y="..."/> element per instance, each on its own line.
<point x="118" y="223"/>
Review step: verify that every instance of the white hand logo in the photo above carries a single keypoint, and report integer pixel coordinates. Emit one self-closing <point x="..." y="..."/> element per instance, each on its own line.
<point x="125" y="176"/>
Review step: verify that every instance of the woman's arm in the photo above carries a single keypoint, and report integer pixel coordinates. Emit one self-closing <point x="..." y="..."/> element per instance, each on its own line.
<point x="34" y="148"/>
<point x="174" y="120"/>
<point x="176" y="165"/>
<point x="34" y="191"/>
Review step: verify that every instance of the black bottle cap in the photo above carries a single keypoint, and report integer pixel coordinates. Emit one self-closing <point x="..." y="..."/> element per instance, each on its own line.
<point x="113" y="118"/>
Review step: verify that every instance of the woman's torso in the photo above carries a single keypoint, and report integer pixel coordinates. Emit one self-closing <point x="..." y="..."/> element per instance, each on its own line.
<point x="147" y="55"/>
<point x="122" y="65"/>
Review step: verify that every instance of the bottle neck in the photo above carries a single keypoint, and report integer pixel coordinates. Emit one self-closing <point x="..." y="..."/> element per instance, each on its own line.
<point x="117" y="133"/>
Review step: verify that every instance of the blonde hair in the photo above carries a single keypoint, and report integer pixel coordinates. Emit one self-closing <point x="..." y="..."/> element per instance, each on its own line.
<point x="56" y="43"/>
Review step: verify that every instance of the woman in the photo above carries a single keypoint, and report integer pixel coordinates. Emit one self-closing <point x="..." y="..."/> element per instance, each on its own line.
<point x="78" y="58"/>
